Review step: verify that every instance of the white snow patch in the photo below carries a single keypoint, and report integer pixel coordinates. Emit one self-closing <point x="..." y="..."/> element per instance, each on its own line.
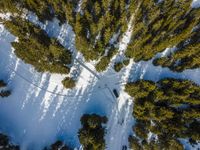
<point x="195" y="3"/>
<point x="188" y="146"/>
<point x="5" y="16"/>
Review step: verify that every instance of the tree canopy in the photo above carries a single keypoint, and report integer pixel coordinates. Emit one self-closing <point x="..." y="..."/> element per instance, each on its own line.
<point x="35" y="47"/>
<point x="91" y="135"/>
<point x="5" y="144"/>
<point x="168" y="109"/>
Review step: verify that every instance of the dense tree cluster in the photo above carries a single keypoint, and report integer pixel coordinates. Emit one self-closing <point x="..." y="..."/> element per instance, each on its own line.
<point x="158" y="26"/>
<point x="5" y="143"/>
<point x="97" y="22"/>
<point x="9" y="6"/>
<point x="187" y="55"/>
<point x="94" y="25"/>
<point x="169" y="108"/>
<point x="3" y="91"/>
<point x="91" y="135"/>
<point x="45" y="10"/>
<point x="105" y="60"/>
<point x="36" y="48"/>
<point x="33" y="45"/>
<point x="58" y="145"/>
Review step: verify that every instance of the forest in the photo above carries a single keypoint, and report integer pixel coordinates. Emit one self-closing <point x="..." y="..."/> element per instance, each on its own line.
<point x="36" y="48"/>
<point x="157" y="26"/>
<point x="164" y="25"/>
<point x="169" y="109"/>
<point x="91" y="135"/>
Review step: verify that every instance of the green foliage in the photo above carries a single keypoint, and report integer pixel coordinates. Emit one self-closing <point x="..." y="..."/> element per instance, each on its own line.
<point x="102" y="64"/>
<point x="45" y="10"/>
<point x="143" y="88"/>
<point x="68" y="83"/>
<point x="156" y="27"/>
<point x="105" y="60"/>
<point x="134" y="143"/>
<point x="91" y="135"/>
<point x="118" y="66"/>
<point x="163" y="25"/>
<point x="58" y="145"/>
<point x="168" y="108"/>
<point x="36" y="48"/>
<point x="140" y="129"/>
<point x="97" y="19"/>
<point x="9" y="6"/>
<point x="126" y="62"/>
<point x="186" y="57"/>
<point x="96" y="24"/>
<point x="5" y="143"/>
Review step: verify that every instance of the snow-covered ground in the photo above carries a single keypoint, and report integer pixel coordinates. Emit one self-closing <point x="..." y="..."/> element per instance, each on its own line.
<point x="196" y="3"/>
<point x="40" y="110"/>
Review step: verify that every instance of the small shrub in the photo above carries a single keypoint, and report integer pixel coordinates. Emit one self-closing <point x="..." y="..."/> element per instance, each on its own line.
<point x="68" y="83"/>
<point x="118" y="66"/>
<point x="5" y="93"/>
<point x="126" y="62"/>
<point x="2" y="83"/>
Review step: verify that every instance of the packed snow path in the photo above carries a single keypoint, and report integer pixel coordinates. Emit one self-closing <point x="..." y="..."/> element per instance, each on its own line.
<point x="86" y="67"/>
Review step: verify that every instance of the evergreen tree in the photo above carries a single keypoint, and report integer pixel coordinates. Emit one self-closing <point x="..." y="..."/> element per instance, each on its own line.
<point x="2" y="84"/>
<point x="58" y="145"/>
<point x="168" y="108"/>
<point x="158" y="26"/>
<point x="5" y="143"/>
<point x="68" y="83"/>
<point x="36" y="48"/>
<point x="91" y="135"/>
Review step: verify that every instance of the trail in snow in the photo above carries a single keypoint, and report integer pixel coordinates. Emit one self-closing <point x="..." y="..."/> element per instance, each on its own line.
<point x="120" y="122"/>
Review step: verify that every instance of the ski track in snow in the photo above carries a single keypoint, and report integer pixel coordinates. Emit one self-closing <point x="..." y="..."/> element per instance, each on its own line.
<point x="53" y="116"/>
